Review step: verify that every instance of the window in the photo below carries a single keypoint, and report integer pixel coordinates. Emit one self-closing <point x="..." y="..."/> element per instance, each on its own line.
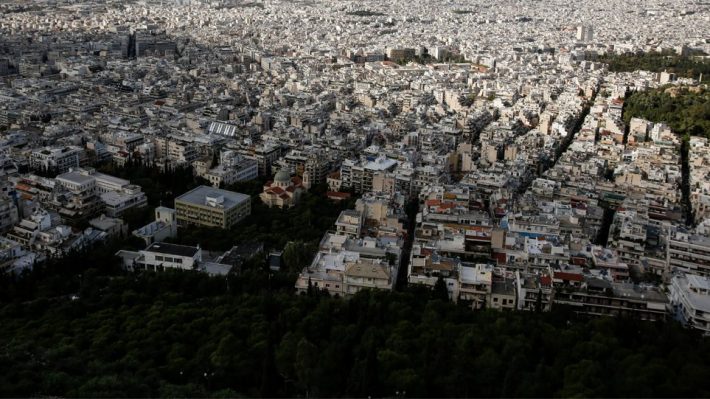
<point x="495" y="299"/>
<point x="158" y="258"/>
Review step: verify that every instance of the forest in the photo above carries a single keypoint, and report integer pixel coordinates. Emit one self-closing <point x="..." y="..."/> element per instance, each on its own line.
<point x="685" y="111"/>
<point x="682" y="66"/>
<point x="81" y="327"/>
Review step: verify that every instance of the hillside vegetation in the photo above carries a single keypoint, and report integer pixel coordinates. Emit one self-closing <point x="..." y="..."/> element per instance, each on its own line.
<point x="188" y="335"/>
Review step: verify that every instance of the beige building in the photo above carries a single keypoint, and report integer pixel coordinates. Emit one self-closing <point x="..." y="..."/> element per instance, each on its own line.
<point x="212" y="207"/>
<point x="283" y="192"/>
<point x="345" y="273"/>
<point x="367" y="274"/>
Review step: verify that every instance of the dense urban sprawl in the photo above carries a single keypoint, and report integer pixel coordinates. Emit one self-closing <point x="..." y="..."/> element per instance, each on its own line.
<point x="484" y="145"/>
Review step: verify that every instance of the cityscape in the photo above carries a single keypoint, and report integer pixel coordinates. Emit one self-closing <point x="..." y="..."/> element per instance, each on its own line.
<point x="321" y="198"/>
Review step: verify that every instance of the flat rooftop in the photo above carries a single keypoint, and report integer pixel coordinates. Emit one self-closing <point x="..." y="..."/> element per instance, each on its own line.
<point x="200" y="195"/>
<point x="75" y="177"/>
<point x="172" y="249"/>
<point x="111" y="179"/>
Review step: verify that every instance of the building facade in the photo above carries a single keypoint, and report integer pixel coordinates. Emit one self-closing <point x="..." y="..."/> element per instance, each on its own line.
<point x="212" y="207"/>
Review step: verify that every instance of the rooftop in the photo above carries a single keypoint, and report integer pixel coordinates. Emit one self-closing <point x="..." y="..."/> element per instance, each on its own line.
<point x="75" y="178"/>
<point x="210" y="196"/>
<point x="173" y="249"/>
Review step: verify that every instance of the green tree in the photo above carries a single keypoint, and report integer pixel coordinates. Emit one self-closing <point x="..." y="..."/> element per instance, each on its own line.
<point x="440" y="291"/>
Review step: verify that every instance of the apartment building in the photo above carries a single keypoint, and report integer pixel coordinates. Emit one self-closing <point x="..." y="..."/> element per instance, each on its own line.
<point x="340" y="271"/>
<point x="596" y="296"/>
<point x="117" y="202"/>
<point x="359" y="175"/>
<point x="367" y="274"/>
<point x="80" y="199"/>
<point x="233" y="168"/>
<point x="349" y="223"/>
<point x="688" y="252"/>
<point x="9" y="215"/>
<point x="265" y="155"/>
<point x="88" y="191"/>
<point x="534" y="290"/>
<point x="475" y="285"/>
<point x="690" y="300"/>
<point x="55" y="159"/>
<point x="175" y="150"/>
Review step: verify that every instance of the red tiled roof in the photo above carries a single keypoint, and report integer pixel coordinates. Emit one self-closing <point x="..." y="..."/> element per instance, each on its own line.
<point x="275" y="190"/>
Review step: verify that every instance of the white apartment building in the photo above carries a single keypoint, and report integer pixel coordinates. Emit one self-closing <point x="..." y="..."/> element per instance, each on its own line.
<point x="233" y="171"/>
<point x="358" y="176"/>
<point x="117" y="202"/>
<point x="57" y="159"/>
<point x="688" y="253"/>
<point x="690" y="300"/>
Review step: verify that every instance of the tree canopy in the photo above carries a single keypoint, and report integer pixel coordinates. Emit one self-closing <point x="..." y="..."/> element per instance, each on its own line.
<point x="91" y="330"/>
<point x="682" y="65"/>
<point x="685" y="111"/>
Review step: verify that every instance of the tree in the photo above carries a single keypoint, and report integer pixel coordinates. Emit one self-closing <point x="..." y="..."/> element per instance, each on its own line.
<point x="306" y="363"/>
<point x="440" y="291"/>
<point x="296" y="255"/>
<point x="183" y="334"/>
<point x="538" y="301"/>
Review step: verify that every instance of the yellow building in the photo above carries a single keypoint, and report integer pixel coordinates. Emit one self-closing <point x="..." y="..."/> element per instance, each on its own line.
<point x="212" y="207"/>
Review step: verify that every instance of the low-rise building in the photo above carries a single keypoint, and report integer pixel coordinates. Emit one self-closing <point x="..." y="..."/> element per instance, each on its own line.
<point x="283" y="192"/>
<point x="162" y="256"/>
<point x="164" y="226"/>
<point x="212" y="207"/>
<point x="113" y="227"/>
